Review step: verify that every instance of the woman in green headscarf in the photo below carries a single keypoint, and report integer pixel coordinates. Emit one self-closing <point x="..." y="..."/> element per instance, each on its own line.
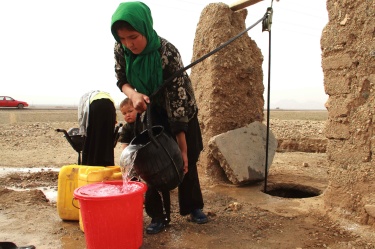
<point x="143" y="62"/>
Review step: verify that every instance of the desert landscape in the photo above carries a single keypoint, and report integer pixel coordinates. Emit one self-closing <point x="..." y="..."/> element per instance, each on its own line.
<point x="290" y="215"/>
<point x="317" y="197"/>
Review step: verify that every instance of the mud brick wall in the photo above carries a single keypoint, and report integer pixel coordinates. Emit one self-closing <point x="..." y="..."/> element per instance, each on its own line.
<point x="348" y="62"/>
<point x="228" y="84"/>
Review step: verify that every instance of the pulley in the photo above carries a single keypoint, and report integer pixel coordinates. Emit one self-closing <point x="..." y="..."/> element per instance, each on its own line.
<point x="267" y="21"/>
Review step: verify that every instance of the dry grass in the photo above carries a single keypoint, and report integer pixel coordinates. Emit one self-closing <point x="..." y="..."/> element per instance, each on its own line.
<point x="314" y="115"/>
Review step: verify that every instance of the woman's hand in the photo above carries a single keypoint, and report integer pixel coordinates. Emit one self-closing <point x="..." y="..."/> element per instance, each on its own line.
<point x="181" y="141"/>
<point x="139" y="100"/>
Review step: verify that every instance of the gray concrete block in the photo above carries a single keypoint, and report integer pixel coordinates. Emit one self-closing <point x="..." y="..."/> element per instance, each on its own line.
<point x="242" y="152"/>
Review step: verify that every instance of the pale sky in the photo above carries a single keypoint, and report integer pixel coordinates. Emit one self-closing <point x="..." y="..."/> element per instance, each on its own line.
<point x="52" y="52"/>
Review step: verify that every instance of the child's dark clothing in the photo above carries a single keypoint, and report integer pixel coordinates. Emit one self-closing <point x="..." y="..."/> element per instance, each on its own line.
<point x="127" y="133"/>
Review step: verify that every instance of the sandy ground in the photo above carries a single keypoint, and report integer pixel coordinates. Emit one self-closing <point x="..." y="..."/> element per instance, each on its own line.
<point x="290" y="215"/>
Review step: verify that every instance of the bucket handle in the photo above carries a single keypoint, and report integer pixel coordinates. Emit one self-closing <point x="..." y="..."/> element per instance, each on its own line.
<point x="148" y="125"/>
<point x="74" y="204"/>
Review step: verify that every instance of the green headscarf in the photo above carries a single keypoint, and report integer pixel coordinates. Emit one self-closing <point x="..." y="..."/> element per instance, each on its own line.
<point x="143" y="71"/>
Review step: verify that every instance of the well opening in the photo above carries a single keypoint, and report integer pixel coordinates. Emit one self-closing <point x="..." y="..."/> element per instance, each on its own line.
<point x="286" y="190"/>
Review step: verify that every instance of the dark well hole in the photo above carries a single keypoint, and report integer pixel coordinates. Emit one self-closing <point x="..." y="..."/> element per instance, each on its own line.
<point x="292" y="191"/>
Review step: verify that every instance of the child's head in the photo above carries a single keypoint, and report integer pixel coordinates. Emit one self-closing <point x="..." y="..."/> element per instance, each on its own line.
<point x="127" y="109"/>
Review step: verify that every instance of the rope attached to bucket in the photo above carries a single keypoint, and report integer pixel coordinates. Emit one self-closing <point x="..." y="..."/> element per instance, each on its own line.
<point x="169" y="80"/>
<point x="267" y="22"/>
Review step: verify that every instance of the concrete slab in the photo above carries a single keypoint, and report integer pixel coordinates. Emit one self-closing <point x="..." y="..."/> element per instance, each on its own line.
<point x="242" y="152"/>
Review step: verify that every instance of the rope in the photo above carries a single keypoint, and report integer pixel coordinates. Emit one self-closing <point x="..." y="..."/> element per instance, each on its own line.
<point x="267" y="27"/>
<point x="169" y="80"/>
<point x="268" y="112"/>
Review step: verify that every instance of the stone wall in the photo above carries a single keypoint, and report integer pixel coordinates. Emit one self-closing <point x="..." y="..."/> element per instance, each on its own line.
<point x="228" y="84"/>
<point x="348" y="61"/>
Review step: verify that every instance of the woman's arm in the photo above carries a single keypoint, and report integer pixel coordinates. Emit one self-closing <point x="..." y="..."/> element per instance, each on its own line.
<point x="180" y="101"/>
<point x="181" y="141"/>
<point x="120" y="65"/>
<point x="138" y="99"/>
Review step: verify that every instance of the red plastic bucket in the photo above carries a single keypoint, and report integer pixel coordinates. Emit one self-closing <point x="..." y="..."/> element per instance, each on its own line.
<point x="113" y="220"/>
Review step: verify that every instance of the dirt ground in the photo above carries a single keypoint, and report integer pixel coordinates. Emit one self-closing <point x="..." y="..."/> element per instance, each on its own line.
<point x="290" y="215"/>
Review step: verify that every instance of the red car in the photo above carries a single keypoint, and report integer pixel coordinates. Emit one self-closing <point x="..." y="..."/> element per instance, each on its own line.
<point x="6" y="101"/>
